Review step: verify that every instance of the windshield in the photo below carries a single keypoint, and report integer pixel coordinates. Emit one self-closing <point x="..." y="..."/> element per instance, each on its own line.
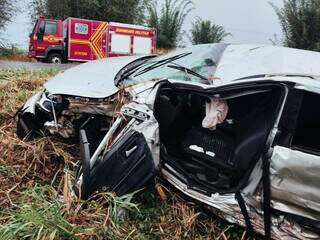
<point x="200" y="59"/>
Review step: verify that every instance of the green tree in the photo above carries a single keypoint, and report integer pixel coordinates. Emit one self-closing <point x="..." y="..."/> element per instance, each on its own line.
<point x="204" y="31"/>
<point x="300" y="23"/>
<point x="126" y="11"/>
<point x="168" y="22"/>
<point x="7" y="10"/>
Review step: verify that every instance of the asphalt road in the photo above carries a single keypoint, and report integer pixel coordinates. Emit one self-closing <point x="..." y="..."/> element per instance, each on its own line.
<point x="33" y="65"/>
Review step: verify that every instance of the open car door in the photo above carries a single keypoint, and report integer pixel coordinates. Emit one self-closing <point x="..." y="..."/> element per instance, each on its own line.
<point x="123" y="161"/>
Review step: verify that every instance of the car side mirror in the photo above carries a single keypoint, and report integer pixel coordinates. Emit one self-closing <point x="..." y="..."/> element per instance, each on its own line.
<point x="39" y="36"/>
<point x="41" y="31"/>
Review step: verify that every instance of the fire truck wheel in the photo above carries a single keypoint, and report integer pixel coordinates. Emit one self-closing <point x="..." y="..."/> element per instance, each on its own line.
<point x="55" y="58"/>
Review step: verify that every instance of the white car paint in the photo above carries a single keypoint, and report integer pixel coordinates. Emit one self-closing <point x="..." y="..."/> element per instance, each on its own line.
<point x="93" y="79"/>
<point x="242" y="60"/>
<point x="96" y="79"/>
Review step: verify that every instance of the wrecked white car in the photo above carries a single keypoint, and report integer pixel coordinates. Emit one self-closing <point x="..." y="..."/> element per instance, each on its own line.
<point x="74" y="96"/>
<point x="243" y="140"/>
<point x="94" y="91"/>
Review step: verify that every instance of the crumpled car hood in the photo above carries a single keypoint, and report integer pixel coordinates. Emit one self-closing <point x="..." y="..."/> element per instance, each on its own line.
<point x="93" y="79"/>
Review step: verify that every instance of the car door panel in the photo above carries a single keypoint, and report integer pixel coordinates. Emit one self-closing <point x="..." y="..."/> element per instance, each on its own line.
<point x="295" y="182"/>
<point x="295" y="168"/>
<point x="125" y="168"/>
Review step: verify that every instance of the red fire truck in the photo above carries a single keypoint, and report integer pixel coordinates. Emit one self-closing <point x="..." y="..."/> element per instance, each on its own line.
<point x="74" y="39"/>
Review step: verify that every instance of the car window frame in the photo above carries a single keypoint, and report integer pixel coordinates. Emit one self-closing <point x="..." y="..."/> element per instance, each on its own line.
<point x="290" y="144"/>
<point x="51" y="22"/>
<point x="301" y="148"/>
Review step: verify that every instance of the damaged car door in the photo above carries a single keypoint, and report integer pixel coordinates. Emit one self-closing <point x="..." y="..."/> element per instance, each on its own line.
<point x="125" y="168"/>
<point x="127" y="157"/>
<point x="294" y="167"/>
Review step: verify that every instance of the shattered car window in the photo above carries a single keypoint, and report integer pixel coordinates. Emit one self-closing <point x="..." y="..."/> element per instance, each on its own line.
<point x="203" y="60"/>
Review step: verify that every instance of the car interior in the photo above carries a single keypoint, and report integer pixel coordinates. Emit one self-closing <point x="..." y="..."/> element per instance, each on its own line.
<point x="307" y="131"/>
<point x="220" y="159"/>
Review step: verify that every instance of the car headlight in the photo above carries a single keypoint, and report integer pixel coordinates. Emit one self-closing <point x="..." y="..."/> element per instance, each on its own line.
<point x="48" y="102"/>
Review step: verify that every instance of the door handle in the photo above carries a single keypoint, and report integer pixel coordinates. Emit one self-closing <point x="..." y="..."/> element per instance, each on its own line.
<point x="129" y="152"/>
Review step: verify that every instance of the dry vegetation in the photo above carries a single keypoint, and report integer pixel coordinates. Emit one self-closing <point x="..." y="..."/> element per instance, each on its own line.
<point x="10" y="52"/>
<point x="36" y="201"/>
<point x="17" y="57"/>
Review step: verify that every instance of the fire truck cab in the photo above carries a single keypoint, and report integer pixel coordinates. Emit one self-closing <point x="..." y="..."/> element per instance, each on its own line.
<point x="74" y="39"/>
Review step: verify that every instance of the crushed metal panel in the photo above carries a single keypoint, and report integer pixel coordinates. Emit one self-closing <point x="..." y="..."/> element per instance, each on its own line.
<point x="92" y="106"/>
<point x="243" y="60"/>
<point x="295" y="182"/>
<point x="30" y="105"/>
<point x="226" y="207"/>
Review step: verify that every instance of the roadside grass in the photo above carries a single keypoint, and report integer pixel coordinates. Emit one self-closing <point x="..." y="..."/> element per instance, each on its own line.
<point x="36" y="199"/>
<point x="21" y="57"/>
<point x="12" y="53"/>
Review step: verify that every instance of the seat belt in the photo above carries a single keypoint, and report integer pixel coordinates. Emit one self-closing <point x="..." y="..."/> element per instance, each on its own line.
<point x="245" y="214"/>
<point x="266" y="196"/>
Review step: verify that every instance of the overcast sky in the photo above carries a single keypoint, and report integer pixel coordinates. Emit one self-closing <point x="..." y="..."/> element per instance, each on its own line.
<point x="249" y="21"/>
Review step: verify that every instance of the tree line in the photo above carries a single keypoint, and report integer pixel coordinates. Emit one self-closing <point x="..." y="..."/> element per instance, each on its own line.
<point x="299" y="19"/>
<point x="7" y="9"/>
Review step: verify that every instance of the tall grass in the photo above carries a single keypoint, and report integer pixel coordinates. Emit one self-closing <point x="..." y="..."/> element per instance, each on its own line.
<point x="9" y="50"/>
<point x="40" y="216"/>
<point x="12" y="52"/>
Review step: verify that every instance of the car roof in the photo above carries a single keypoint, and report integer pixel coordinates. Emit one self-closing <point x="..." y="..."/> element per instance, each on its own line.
<point x="244" y="60"/>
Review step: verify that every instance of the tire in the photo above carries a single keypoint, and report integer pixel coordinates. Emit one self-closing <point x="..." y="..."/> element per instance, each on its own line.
<point x="55" y="58"/>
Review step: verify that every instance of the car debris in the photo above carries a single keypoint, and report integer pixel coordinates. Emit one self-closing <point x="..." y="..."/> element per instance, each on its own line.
<point x="255" y="161"/>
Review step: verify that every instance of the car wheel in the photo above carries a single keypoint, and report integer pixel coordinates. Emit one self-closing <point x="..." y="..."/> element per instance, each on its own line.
<point x="55" y="58"/>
